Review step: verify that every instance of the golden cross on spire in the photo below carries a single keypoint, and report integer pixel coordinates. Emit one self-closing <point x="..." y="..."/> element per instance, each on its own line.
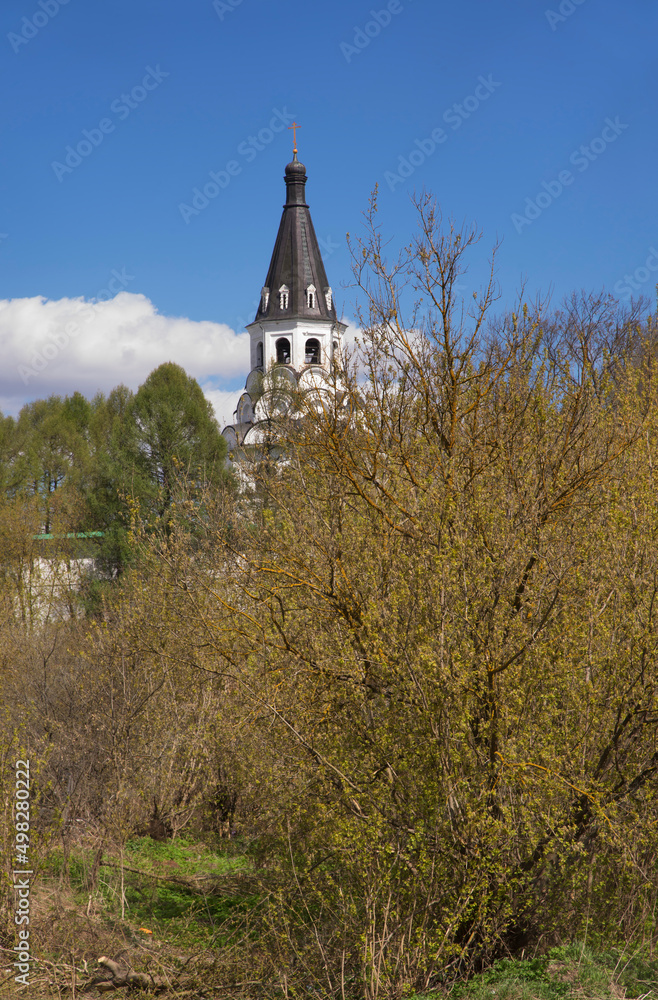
<point x="294" y="128"/>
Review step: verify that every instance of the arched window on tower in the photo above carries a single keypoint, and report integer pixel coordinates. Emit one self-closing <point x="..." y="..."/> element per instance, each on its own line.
<point x="284" y="294"/>
<point x="311" y="300"/>
<point x="283" y="351"/>
<point x="264" y="298"/>
<point x="259" y="354"/>
<point x="312" y="353"/>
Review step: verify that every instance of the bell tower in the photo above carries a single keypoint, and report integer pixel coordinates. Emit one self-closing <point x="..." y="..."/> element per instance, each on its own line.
<point x="296" y="327"/>
<point x="296" y="322"/>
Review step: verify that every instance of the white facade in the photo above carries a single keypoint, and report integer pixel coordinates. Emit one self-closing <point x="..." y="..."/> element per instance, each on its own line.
<point x="298" y="333"/>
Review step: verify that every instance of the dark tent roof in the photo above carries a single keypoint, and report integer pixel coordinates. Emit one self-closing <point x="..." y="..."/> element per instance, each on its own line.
<point x="296" y="261"/>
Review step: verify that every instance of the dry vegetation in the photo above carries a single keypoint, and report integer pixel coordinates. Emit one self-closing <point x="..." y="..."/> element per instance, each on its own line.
<point x="407" y="684"/>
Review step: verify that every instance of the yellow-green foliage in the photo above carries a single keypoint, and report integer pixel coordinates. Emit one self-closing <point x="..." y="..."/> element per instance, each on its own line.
<point x="422" y="654"/>
<point x="442" y="608"/>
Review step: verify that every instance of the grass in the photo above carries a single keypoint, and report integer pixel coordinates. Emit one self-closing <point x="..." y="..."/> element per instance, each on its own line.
<point x="178" y="910"/>
<point x="180" y="892"/>
<point x="158" y="904"/>
<point x="570" y="972"/>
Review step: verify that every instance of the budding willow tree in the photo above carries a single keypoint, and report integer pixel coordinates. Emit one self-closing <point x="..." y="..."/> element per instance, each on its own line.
<point x="442" y="606"/>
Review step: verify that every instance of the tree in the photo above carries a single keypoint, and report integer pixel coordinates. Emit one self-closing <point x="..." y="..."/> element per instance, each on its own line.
<point x="113" y="477"/>
<point x="145" y="447"/>
<point x="176" y="435"/>
<point x="421" y="652"/>
<point x="50" y="457"/>
<point x="422" y="605"/>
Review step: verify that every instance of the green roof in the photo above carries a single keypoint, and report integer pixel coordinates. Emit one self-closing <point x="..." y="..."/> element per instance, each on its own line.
<point x="73" y="534"/>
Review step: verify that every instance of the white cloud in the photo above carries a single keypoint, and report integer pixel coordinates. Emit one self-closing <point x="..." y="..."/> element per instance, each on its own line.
<point x="351" y="335"/>
<point x="67" y="344"/>
<point x="224" y="403"/>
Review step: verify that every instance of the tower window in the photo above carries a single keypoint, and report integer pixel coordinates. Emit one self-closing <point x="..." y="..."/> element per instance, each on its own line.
<point x="284" y="294"/>
<point x="328" y="296"/>
<point x="312" y="353"/>
<point x="259" y="354"/>
<point x="283" y="351"/>
<point x="264" y="298"/>
<point x="311" y="297"/>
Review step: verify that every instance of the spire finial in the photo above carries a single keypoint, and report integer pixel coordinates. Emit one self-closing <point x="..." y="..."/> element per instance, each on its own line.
<point x="294" y="128"/>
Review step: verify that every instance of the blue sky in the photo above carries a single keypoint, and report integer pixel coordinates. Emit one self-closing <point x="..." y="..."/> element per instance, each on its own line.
<point x="486" y="104"/>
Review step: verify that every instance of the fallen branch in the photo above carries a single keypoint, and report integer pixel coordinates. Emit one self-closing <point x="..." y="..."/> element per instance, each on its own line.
<point x="121" y="978"/>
